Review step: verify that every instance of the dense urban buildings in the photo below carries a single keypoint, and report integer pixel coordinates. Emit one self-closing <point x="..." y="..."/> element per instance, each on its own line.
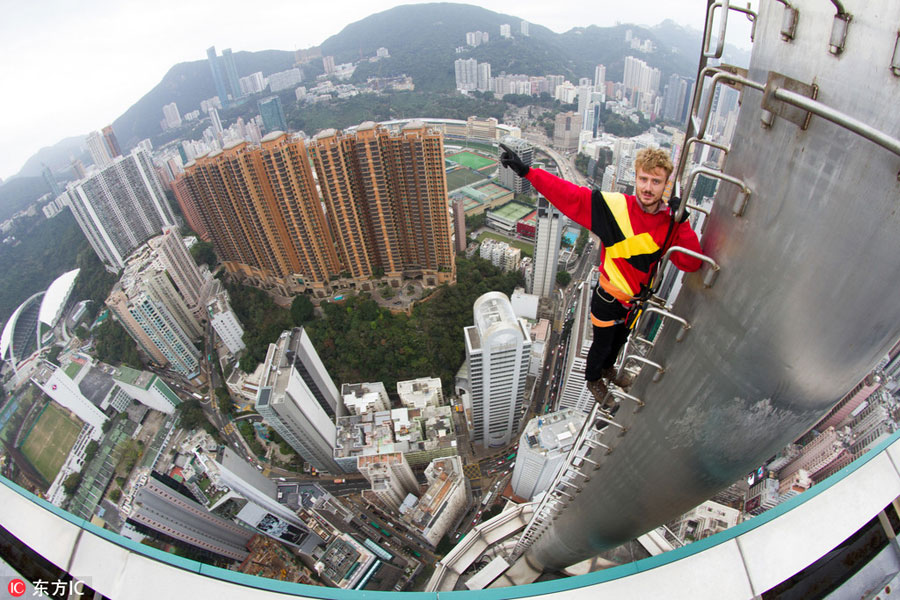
<point x="498" y="349"/>
<point x="119" y="207"/>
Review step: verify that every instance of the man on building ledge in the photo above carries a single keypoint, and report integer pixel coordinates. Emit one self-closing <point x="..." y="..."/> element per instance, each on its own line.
<point x="635" y="232"/>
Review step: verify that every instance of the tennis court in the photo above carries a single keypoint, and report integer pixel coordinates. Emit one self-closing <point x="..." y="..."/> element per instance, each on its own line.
<point x="50" y="440"/>
<point x="472" y="160"/>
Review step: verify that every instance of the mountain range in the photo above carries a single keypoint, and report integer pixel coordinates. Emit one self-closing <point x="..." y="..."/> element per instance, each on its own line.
<point x="422" y="40"/>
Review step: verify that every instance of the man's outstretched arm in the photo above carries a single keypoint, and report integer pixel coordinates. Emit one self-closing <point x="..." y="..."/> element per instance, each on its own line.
<point x="574" y="201"/>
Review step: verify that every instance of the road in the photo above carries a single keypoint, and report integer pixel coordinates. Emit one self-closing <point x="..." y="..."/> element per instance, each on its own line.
<point x="565" y="165"/>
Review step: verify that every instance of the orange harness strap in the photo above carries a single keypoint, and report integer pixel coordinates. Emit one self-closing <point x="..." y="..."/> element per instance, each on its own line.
<point x="598" y="323"/>
<point x="613" y="291"/>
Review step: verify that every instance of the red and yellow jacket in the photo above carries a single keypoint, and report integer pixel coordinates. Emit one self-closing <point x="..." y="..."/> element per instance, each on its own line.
<point x="632" y="239"/>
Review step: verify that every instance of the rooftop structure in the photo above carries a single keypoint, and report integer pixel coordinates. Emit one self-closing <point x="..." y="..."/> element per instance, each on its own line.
<point x="419" y="393"/>
<point x="160" y="507"/>
<point x="420" y="434"/>
<point x="347" y="564"/>
<point x="360" y="398"/>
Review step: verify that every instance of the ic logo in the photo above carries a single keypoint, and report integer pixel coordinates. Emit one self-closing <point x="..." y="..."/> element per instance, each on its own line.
<point x="16" y="588"/>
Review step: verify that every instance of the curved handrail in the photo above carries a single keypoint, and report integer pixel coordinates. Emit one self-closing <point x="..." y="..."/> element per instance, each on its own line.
<point x="19" y="509"/>
<point x="838" y="118"/>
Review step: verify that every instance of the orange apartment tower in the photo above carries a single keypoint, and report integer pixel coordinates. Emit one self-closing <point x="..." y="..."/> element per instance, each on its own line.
<point x="291" y="217"/>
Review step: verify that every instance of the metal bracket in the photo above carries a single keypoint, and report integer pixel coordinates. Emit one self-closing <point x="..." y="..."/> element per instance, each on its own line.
<point x="772" y="104"/>
<point x="659" y="368"/>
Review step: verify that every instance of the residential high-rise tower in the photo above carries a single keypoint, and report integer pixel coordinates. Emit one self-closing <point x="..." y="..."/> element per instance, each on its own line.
<point x="293" y="395"/>
<point x="546" y="249"/>
<point x="120" y="207"/>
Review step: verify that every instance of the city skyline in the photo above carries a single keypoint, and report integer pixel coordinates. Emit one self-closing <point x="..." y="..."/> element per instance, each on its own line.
<point x="38" y="36"/>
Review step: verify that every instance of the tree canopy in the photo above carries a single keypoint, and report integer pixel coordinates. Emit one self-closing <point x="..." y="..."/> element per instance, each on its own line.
<point x="359" y="341"/>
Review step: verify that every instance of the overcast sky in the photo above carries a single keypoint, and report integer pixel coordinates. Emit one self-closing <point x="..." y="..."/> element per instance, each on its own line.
<point x="72" y="67"/>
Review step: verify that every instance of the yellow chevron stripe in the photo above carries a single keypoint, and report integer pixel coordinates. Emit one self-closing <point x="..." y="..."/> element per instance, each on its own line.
<point x="619" y="208"/>
<point x="615" y="276"/>
<point x="633" y="246"/>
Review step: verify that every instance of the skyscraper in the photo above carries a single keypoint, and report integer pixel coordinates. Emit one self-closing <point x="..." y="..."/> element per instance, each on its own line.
<point x="97" y="149"/>
<point x="386" y="194"/>
<point x="272" y="114"/>
<point x="459" y="225"/>
<point x="600" y="78"/>
<point x="160" y="506"/>
<point x="272" y="232"/>
<point x="50" y="180"/>
<point x="293" y="395"/>
<point x="566" y="131"/>
<point x="574" y="393"/>
<point x="112" y="144"/>
<point x="231" y="73"/>
<point x="543" y="446"/>
<point x="120" y="207"/>
<point x="546" y="249"/>
<point x="466" y="70"/>
<point x="218" y="78"/>
<point x="498" y="348"/>
<point x="180" y="265"/>
<point x="508" y="177"/>
<point x="154" y="314"/>
<point x="523" y="27"/>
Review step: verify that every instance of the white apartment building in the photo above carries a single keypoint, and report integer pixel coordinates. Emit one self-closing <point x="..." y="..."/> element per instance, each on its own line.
<point x="543" y="447"/>
<point x="119" y="207"/>
<point x="498" y="350"/>
<point x="443" y="503"/>
<point x="574" y="393"/>
<point x="391" y="477"/>
<point x="225" y="322"/>
<point x="296" y="395"/>
<point x="548" y="238"/>
<point x="507" y="176"/>
<point x="705" y="520"/>
<point x="360" y="398"/>
<point x="421" y="392"/>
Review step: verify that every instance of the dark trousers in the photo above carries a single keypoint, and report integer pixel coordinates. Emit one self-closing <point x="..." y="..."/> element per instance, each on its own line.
<point x="607" y="340"/>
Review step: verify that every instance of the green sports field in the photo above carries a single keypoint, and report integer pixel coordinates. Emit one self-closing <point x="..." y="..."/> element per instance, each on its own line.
<point x="472" y="160"/>
<point x="461" y="178"/>
<point x="50" y="440"/>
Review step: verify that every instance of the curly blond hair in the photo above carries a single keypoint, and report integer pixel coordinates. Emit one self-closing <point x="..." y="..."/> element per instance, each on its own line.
<point x="649" y="159"/>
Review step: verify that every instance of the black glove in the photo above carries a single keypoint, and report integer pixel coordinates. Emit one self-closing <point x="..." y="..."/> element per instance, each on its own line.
<point x="674" y="203"/>
<point x="511" y="160"/>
